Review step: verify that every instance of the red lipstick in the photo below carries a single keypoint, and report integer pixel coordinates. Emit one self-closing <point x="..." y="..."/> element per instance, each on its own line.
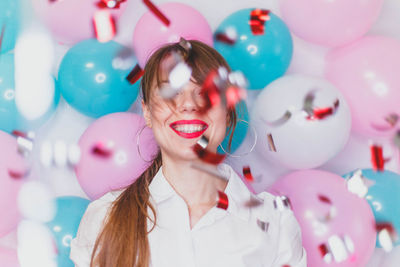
<point x="189" y="128"/>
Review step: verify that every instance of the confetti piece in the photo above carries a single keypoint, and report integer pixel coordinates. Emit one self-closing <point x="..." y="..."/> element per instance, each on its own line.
<point x="387" y="235"/>
<point x="60" y="153"/>
<point x="178" y="77"/>
<point x="185" y="45"/>
<point x="28" y="135"/>
<point x="224" y="38"/>
<point x="112" y="4"/>
<point x="210" y="91"/>
<point x="207" y="156"/>
<point x="377" y="160"/>
<point x="3" y="29"/>
<point x="271" y="144"/>
<point x="253" y="202"/>
<point x="263" y="225"/>
<point x="282" y="120"/>
<point x="282" y="203"/>
<point x="24" y="142"/>
<point x="396" y="139"/>
<point x="135" y="74"/>
<point x="332" y="209"/>
<point x="391" y="121"/>
<point x="17" y="174"/>
<point x="337" y="249"/>
<point x="223" y="201"/>
<point x="209" y="170"/>
<point x="258" y="17"/>
<point x="101" y="150"/>
<point x="326" y="255"/>
<point x="324" y="199"/>
<point x="247" y="174"/>
<point x="220" y="86"/>
<point x="157" y="12"/>
<point x="104" y="26"/>
<point x="358" y="184"/>
<point x="318" y="113"/>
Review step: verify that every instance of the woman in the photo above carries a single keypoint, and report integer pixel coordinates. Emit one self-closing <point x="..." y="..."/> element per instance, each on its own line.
<point x="168" y="216"/>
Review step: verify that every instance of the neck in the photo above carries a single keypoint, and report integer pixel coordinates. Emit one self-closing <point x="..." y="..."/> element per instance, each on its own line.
<point x="196" y="187"/>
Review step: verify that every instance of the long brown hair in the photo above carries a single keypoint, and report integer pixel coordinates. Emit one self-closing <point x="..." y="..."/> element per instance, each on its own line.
<point x="123" y="240"/>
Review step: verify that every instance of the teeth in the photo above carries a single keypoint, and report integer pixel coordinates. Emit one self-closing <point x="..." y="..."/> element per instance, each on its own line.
<point x="189" y="128"/>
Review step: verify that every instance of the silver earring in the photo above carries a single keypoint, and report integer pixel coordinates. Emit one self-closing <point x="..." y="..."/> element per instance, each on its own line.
<point x="138" y="144"/>
<point x="252" y="147"/>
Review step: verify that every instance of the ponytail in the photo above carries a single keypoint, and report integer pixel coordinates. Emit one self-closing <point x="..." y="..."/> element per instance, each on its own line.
<point x="123" y="240"/>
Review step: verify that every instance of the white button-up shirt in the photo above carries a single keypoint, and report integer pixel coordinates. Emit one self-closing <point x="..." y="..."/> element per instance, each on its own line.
<point x="232" y="237"/>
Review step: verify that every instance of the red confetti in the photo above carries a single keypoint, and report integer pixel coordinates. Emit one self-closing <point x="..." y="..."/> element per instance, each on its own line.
<point x="377" y="160"/>
<point x="233" y="95"/>
<point x="18" y="133"/>
<point x="323" y="249"/>
<point x="157" y="12"/>
<point x="111" y="4"/>
<point x="16" y="174"/>
<point x="101" y="150"/>
<point x="383" y="225"/>
<point x="208" y="156"/>
<point x="223" y="201"/>
<point x="210" y="91"/>
<point x="224" y="38"/>
<point x="135" y="74"/>
<point x="322" y="113"/>
<point x="247" y="174"/>
<point x="324" y="199"/>
<point x="258" y="17"/>
<point x="104" y="26"/>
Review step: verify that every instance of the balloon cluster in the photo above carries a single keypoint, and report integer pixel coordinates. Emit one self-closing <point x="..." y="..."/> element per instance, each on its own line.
<point x="299" y="121"/>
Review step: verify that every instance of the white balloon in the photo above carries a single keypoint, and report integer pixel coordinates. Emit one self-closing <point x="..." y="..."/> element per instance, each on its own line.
<point x="300" y="142"/>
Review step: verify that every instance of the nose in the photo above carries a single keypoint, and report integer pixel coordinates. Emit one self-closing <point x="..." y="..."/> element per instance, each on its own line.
<point x="186" y="101"/>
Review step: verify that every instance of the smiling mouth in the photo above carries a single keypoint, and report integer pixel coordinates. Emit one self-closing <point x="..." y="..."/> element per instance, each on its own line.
<point x="189" y="128"/>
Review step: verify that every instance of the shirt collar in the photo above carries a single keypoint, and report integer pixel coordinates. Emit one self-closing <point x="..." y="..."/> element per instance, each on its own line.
<point x="237" y="192"/>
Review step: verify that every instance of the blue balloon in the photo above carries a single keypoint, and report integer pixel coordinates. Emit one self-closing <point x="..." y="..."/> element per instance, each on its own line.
<point x="262" y="58"/>
<point x="92" y="78"/>
<point x="10" y="118"/>
<point x="65" y="224"/>
<point x="8" y="108"/>
<point x="9" y="24"/>
<point x="384" y="198"/>
<point x="242" y="125"/>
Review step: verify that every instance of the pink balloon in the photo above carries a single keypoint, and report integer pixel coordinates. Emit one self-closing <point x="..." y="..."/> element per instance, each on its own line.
<point x="71" y="21"/>
<point x="9" y="211"/>
<point x="329" y="215"/>
<point x="13" y="170"/>
<point x="367" y="73"/>
<point x="8" y="257"/>
<point x="117" y="162"/>
<point x="330" y="23"/>
<point x="150" y="33"/>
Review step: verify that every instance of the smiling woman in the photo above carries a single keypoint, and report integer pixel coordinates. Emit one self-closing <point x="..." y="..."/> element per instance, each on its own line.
<point x="170" y="216"/>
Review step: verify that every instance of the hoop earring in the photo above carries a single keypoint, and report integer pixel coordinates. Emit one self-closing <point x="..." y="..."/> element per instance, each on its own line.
<point x="252" y="147"/>
<point x="138" y="144"/>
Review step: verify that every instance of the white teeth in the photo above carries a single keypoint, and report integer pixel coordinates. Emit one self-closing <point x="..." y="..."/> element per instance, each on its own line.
<point x="189" y="128"/>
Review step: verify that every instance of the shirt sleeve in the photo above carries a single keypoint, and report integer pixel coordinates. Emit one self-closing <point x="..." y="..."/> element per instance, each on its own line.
<point x="290" y="249"/>
<point x="89" y="228"/>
